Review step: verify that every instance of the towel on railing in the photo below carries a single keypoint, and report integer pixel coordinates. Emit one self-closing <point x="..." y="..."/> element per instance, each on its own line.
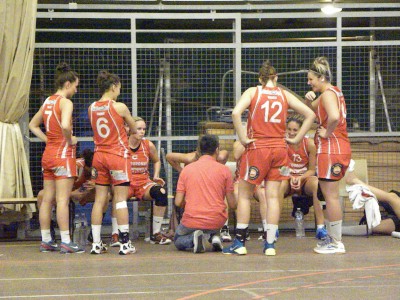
<point x="361" y="196"/>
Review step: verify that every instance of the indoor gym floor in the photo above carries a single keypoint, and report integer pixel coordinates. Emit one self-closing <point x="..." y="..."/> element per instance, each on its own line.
<point x="369" y="270"/>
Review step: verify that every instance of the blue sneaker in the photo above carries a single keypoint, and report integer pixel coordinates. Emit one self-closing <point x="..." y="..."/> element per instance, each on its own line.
<point x="48" y="246"/>
<point x="321" y="233"/>
<point x="71" y="248"/>
<point x="237" y="247"/>
<point x="269" y="249"/>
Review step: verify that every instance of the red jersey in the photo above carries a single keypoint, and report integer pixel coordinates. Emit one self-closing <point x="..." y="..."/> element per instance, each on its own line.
<point x="267" y="118"/>
<point x="109" y="134"/>
<point x="338" y="142"/>
<point x="298" y="159"/>
<point x="57" y="145"/>
<point x="139" y="159"/>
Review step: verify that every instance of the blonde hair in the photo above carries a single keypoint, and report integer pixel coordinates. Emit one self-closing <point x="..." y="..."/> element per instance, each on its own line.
<point x="267" y="72"/>
<point x="320" y="67"/>
<point x="136" y="119"/>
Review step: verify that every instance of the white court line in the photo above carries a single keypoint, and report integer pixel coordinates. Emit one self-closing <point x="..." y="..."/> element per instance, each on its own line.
<point x="98" y="294"/>
<point x="179" y="274"/>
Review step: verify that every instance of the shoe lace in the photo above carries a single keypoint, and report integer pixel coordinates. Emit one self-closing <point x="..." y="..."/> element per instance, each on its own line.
<point x="325" y="241"/>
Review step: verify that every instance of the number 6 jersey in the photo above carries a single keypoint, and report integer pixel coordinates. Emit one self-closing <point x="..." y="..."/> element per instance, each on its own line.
<point x="109" y="134"/>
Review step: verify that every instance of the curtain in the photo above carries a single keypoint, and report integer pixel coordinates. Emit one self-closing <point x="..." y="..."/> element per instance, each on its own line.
<point x="17" y="45"/>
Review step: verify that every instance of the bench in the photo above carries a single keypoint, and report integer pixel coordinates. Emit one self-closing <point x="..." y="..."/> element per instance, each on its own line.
<point x="21" y="229"/>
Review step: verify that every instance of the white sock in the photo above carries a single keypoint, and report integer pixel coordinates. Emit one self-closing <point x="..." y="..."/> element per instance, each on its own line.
<point x="114" y="225"/>
<point x="157" y="222"/>
<point x="65" y="237"/>
<point x="46" y="235"/>
<point x="264" y="223"/>
<point x="96" y="232"/>
<point x="320" y="226"/>
<point x="242" y="226"/>
<point x="123" y="228"/>
<point x="271" y="232"/>
<point x="226" y="223"/>
<point x="336" y="230"/>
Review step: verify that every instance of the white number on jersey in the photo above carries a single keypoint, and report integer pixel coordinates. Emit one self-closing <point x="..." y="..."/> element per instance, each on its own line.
<point x="274" y="118"/>
<point x="102" y="128"/>
<point x="49" y="113"/>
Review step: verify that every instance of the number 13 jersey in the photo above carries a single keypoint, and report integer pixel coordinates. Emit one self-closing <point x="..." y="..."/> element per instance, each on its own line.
<point x="267" y="118"/>
<point x="109" y="134"/>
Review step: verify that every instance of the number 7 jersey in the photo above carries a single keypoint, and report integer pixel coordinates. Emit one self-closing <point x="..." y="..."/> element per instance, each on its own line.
<point x="109" y="134"/>
<point x="267" y="118"/>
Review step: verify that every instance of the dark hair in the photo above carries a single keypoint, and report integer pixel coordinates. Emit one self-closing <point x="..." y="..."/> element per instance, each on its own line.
<point x="208" y="144"/>
<point x="320" y="67"/>
<point x="87" y="155"/>
<point x="64" y="74"/>
<point x="267" y="72"/>
<point x="295" y="118"/>
<point x="105" y="80"/>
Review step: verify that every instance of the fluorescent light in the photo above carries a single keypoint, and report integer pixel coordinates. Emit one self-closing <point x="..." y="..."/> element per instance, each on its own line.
<point x="330" y="9"/>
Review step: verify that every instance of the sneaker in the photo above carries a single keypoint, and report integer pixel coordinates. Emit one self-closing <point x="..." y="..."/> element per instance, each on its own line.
<point x="127" y="248"/>
<point x="160" y="239"/>
<point x="330" y="247"/>
<point x="321" y="233"/>
<point x="324" y="242"/>
<point x="98" y="248"/>
<point x="216" y="243"/>
<point x="269" y="249"/>
<point x="71" y="248"/>
<point x="198" y="242"/>
<point x="114" y="242"/>
<point x="224" y="234"/>
<point x="48" y="246"/>
<point x="237" y="247"/>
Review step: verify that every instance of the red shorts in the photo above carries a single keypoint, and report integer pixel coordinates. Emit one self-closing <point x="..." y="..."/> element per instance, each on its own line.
<point x="332" y="166"/>
<point x="111" y="169"/>
<point x="139" y="188"/>
<point x="269" y="164"/>
<point x="58" y="168"/>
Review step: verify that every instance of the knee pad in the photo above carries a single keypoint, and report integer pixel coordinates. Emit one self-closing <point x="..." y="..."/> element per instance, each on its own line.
<point x="121" y="205"/>
<point x="159" y="194"/>
<point x="396" y="222"/>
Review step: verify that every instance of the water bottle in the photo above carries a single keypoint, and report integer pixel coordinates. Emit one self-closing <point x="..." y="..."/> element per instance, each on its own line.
<point x="77" y="229"/>
<point x="83" y="230"/>
<point x="147" y="226"/>
<point x="299" y="221"/>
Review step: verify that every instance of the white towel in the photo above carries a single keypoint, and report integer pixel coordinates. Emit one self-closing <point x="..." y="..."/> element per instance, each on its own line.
<point x="361" y="196"/>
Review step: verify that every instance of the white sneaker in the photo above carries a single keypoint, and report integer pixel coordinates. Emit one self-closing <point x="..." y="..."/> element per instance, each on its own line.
<point x="127" y="248"/>
<point x="225" y="236"/>
<point x="330" y="247"/>
<point x="216" y="243"/>
<point x="98" y="248"/>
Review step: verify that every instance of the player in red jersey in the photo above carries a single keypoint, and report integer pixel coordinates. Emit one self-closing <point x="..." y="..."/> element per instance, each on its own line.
<point x="111" y="159"/>
<point x="265" y="158"/>
<point x="302" y="163"/>
<point x="59" y="158"/>
<point x="142" y="187"/>
<point x="333" y="147"/>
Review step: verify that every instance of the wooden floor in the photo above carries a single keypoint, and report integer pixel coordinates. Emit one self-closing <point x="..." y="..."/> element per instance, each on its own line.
<point x="369" y="270"/>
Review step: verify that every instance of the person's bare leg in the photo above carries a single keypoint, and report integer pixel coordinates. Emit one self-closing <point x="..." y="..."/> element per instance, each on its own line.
<point x="46" y="203"/>
<point x="63" y="193"/>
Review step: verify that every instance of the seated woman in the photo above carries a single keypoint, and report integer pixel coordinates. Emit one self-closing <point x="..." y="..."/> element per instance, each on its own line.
<point x="302" y="161"/>
<point x="390" y="201"/>
<point x="142" y="187"/>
